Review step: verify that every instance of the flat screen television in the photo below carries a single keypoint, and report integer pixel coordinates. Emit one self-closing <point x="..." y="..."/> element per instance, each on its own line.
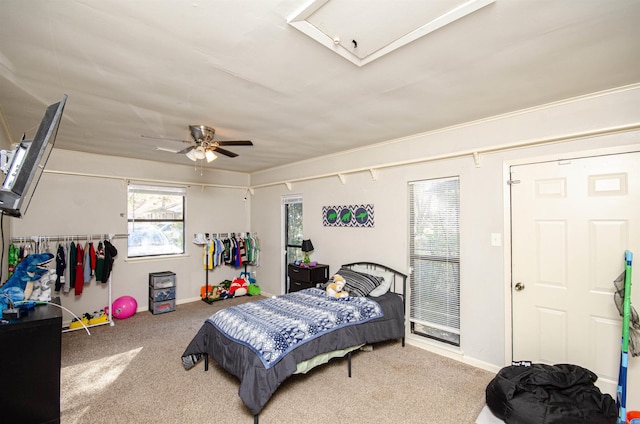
<point x="28" y="162"/>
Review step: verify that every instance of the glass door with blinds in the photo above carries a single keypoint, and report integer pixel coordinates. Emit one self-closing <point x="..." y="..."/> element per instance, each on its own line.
<point x="434" y="208"/>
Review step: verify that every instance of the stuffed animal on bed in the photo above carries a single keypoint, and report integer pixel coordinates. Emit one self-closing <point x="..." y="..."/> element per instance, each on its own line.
<point x="336" y="288"/>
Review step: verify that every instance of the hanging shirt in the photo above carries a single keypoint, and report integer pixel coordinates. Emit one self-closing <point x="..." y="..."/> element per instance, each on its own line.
<point x="110" y="253"/>
<point x="87" y="264"/>
<point x="92" y="258"/>
<point x="61" y="265"/>
<point x="66" y="285"/>
<point x="99" y="261"/>
<point x="73" y="251"/>
<point x="79" y="281"/>
<point x="207" y="254"/>
<point x="13" y="258"/>
<point x="217" y="258"/>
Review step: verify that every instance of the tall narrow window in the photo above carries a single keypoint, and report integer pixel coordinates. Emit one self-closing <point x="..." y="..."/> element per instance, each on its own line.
<point x="435" y="259"/>
<point x="292" y="228"/>
<point x="156" y="220"/>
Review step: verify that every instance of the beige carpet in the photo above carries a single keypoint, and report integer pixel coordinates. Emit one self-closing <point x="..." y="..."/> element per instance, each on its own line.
<point x="132" y="373"/>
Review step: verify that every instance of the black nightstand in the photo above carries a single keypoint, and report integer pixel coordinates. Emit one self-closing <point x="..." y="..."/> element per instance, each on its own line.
<point x="305" y="277"/>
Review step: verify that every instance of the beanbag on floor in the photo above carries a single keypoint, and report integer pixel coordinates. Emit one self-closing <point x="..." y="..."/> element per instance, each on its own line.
<point x="549" y="394"/>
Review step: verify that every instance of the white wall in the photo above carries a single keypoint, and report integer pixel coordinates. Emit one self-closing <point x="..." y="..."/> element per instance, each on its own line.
<point x="79" y="204"/>
<point x="83" y="194"/>
<point x="485" y="293"/>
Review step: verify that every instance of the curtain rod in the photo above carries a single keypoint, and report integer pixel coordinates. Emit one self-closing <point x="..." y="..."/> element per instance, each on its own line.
<point x="70" y="237"/>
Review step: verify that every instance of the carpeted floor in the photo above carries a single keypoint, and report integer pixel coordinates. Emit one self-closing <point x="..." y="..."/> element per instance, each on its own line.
<point x="132" y="373"/>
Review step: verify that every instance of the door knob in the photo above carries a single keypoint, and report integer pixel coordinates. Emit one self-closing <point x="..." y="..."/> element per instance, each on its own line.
<point x="519" y="287"/>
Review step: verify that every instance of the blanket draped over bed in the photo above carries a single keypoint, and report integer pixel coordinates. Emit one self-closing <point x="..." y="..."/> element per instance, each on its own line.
<point x="257" y="382"/>
<point x="273" y="327"/>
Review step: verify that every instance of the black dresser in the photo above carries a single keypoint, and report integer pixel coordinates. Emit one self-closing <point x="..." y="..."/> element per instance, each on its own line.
<point x="30" y="354"/>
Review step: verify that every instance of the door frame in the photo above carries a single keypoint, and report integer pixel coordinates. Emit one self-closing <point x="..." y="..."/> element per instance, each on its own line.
<point x="507" y="164"/>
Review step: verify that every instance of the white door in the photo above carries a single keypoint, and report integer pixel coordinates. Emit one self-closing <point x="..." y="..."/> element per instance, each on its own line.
<point x="572" y="221"/>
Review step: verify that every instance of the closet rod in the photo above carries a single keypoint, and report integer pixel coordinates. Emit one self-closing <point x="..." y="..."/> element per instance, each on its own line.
<point x="71" y="237"/>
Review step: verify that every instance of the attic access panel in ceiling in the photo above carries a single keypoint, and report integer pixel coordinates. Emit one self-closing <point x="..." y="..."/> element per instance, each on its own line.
<point x="363" y="31"/>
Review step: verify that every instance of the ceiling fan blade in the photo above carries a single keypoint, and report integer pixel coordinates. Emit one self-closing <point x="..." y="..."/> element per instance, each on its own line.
<point x="235" y="143"/>
<point x="225" y="152"/>
<point x="165" y="139"/>
<point x="187" y="150"/>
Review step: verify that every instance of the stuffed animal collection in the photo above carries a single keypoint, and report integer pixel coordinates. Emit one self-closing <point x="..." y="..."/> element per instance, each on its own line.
<point x="336" y="288"/>
<point x="240" y="286"/>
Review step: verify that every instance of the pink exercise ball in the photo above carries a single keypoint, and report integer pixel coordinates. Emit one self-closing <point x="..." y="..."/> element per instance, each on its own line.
<point x="124" y="307"/>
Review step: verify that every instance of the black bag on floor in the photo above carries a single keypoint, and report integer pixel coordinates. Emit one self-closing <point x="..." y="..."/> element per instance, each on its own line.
<point x="549" y="394"/>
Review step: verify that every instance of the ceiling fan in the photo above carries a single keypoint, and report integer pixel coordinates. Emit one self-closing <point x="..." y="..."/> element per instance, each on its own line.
<point x="203" y="146"/>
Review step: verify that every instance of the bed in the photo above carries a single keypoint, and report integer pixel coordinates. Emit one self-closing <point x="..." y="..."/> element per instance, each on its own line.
<point x="324" y="328"/>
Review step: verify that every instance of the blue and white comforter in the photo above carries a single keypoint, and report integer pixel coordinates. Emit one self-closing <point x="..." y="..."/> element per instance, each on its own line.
<point x="273" y="327"/>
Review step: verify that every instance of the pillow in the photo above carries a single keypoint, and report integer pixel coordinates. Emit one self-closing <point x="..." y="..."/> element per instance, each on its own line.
<point x="386" y="275"/>
<point x="358" y="284"/>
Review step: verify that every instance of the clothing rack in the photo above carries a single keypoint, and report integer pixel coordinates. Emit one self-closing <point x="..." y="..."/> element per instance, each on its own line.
<point x="208" y="237"/>
<point x="88" y="237"/>
<point x="109" y="236"/>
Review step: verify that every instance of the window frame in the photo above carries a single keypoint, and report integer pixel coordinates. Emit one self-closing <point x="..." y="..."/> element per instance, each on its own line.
<point x="150" y="225"/>
<point x="434" y="255"/>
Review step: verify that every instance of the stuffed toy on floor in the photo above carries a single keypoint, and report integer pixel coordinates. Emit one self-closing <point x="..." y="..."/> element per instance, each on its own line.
<point x="238" y="287"/>
<point x="336" y="288"/>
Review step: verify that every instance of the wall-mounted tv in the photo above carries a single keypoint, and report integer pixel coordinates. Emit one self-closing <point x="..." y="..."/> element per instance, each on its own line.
<point x="27" y="163"/>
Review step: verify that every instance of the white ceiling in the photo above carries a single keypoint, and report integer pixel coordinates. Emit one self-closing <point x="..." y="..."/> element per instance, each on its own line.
<point x="133" y="68"/>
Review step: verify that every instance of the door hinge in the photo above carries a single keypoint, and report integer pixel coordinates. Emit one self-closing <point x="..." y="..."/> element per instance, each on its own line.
<point x="511" y="182"/>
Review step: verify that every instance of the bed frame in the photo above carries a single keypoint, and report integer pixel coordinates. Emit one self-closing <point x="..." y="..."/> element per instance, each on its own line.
<point x="399" y="283"/>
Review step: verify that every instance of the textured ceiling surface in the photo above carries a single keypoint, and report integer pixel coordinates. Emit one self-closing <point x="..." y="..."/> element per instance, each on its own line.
<point x="151" y="68"/>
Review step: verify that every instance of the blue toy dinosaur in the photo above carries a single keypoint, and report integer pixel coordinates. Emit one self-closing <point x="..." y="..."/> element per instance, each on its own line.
<point x="30" y="269"/>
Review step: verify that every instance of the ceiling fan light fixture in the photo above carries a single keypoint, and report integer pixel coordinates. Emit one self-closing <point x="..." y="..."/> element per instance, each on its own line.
<point x="199" y="152"/>
<point x="210" y="155"/>
<point x="191" y="154"/>
<point x="202" y="133"/>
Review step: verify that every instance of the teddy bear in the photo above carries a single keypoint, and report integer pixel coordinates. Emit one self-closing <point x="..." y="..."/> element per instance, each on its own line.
<point x="336" y="288"/>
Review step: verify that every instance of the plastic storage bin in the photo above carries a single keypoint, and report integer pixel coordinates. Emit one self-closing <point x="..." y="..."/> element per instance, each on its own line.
<point x="162" y="292"/>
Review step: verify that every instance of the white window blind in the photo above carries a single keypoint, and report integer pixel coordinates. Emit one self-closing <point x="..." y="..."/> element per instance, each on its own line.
<point x="435" y="259"/>
<point x="157" y="190"/>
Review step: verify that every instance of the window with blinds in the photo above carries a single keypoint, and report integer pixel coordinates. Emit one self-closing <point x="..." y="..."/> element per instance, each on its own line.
<point x="435" y="259"/>
<point x="155" y="216"/>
